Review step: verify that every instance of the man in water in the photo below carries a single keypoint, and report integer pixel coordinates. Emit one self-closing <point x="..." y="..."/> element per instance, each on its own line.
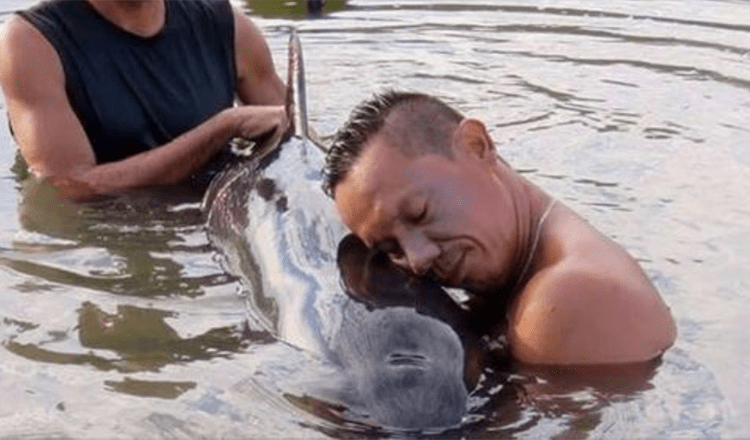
<point x="106" y="96"/>
<point x="412" y="177"/>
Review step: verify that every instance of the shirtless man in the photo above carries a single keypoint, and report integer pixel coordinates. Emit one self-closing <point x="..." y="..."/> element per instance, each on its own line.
<point x="414" y="178"/>
<point x="106" y="96"/>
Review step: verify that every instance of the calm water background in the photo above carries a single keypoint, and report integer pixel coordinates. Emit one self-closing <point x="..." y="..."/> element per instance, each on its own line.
<point x="117" y="320"/>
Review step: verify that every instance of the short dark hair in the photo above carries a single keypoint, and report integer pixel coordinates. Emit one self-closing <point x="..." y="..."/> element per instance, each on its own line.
<point x="420" y="124"/>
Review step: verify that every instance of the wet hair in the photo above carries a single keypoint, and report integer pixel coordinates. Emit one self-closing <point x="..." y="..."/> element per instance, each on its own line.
<point x="414" y="123"/>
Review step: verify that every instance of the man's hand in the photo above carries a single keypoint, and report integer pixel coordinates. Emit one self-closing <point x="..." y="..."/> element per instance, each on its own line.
<point x="267" y="121"/>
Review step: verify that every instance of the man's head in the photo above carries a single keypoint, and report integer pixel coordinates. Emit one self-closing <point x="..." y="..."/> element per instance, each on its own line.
<point x="414" y="123"/>
<point x="415" y="179"/>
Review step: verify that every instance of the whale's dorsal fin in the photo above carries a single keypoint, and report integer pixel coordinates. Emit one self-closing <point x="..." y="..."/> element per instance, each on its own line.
<point x="294" y="105"/>
<point x="296" y="99"/>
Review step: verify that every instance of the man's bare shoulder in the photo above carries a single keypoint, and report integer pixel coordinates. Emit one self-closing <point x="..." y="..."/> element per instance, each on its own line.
<point x="591" y="304"/>
<point x="15" y="28"/>
<point x="258" y="82"/>
<point x="17" y="36"/>
<point x="27" y="60"/>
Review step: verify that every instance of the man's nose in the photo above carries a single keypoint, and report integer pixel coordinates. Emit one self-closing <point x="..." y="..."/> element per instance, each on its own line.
<point x="420" y="253"/>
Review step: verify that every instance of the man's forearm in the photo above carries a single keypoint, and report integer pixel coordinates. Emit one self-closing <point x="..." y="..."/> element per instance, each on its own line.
<point x="168" y="164"/>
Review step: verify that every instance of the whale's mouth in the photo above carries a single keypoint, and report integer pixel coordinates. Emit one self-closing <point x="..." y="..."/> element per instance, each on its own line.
<point x="407" y="360"/>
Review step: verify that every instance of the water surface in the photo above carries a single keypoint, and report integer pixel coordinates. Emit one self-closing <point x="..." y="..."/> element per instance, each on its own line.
<point x="118" y="319"/>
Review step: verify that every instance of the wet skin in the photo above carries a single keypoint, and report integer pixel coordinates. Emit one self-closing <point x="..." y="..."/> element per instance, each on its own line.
<point x="573" y="297"/>
<point x="415" y="354"/>
<point x="434" y="215"/>
<point x="401" y="368"/>
<point x="407" y="368"/>
<point x="396" y="361"/>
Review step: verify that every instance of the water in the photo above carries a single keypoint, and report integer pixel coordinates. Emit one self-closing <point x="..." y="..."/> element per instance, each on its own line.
<point x="119" y="321"/>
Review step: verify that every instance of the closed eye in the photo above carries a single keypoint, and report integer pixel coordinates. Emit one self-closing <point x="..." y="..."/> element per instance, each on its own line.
<point x="421" y="215"/>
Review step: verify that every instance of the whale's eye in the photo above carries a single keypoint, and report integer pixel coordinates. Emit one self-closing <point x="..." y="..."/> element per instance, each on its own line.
<point x="406" y="359"/>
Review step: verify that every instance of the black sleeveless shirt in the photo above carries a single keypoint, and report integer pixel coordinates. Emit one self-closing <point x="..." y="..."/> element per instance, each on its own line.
<point x="132" y="93"/>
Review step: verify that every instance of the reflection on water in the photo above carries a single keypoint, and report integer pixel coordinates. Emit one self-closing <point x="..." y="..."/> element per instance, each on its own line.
<point x="131" y="244"/>
<point x="293" y="9"/>
<point x="118" y="321"/>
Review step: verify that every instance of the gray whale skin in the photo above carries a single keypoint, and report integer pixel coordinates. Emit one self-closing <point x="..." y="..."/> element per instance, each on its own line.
<point x="281" y="235"/>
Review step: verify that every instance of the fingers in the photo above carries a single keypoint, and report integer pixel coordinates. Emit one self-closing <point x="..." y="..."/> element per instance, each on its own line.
<point x="255" y="120"/>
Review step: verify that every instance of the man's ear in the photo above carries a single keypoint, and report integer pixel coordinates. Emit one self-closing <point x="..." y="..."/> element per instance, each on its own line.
<point x="471" y="137"/>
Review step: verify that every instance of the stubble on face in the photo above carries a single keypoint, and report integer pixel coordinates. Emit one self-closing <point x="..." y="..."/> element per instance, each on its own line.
<point x="372" y="182"/>
<point x="371" y="200"/>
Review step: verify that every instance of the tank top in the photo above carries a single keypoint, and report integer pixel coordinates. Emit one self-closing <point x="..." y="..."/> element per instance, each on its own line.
<point x="134" y="93"/>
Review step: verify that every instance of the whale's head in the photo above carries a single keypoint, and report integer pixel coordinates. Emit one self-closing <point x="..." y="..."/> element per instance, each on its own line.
<point x="407" y="369"/>
<point x="404" y="354"/>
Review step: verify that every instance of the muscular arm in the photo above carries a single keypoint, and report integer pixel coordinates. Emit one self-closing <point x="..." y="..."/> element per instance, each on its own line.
<point x="594" y="306"/>
<point x="257" y="81"/>
<point x="55" y="146"/>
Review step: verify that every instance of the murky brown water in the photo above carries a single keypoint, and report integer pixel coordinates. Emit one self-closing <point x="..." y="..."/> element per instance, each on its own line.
<point x="117" y="319"/>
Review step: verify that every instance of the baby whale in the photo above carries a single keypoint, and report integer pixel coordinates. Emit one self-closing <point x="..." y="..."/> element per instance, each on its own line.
<point x="399" y="342"/>
<point x="409" y="351"/>
<point x="279" y="233"/>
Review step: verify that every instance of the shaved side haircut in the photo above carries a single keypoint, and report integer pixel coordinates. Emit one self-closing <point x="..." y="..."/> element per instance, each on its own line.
<point x="414" y="123"/>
